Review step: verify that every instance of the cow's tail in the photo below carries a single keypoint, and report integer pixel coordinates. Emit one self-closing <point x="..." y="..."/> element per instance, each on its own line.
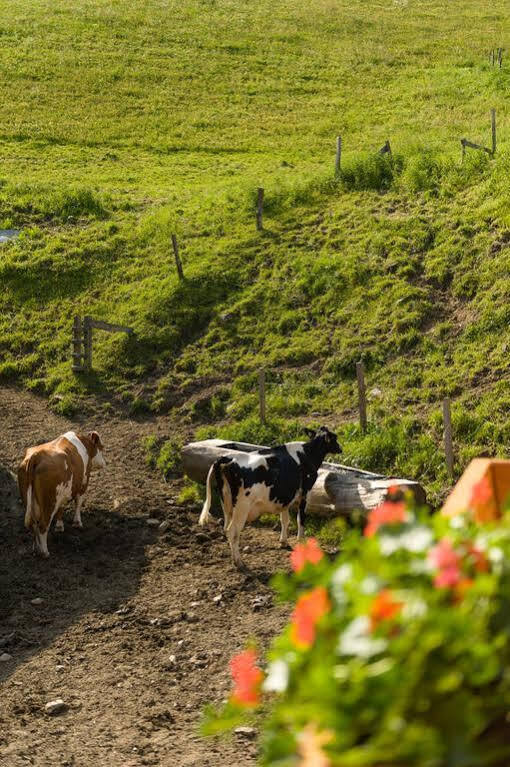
<point x="30" y="468"/>
<point x="205" y="517"/>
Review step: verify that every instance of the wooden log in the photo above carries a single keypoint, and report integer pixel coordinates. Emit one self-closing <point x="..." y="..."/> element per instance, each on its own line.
<point x="341" y="492"/>
<point x="493" y="130"/>
<point x="339" y="489"/>
<point x="260" y="208"/>
<point x="177" y="257"/>
<point x="448" y="441"/>
<point x="338" y="158"/>
<point x="110" y="327"/>
<point x="262" y="395"/>
<point x="362" y="396"/>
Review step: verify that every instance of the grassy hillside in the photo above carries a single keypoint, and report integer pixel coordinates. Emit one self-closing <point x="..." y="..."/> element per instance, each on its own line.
<point x="123" y="122"/>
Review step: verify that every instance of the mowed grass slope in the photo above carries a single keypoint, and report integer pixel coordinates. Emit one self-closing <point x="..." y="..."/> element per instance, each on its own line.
<point x="123" y="122"/>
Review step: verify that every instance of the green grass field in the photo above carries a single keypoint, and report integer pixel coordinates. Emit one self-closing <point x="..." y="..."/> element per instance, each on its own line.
<point x="123" y="122"/>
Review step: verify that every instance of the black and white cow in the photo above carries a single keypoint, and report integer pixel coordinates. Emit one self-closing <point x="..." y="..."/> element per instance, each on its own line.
<point x="267" y="481"/>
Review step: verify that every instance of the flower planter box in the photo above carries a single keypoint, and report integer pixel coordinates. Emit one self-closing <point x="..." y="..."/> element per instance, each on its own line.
<point x="338" y="490"/>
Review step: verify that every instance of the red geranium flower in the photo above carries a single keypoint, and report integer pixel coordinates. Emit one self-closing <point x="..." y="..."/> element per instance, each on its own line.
<point x="247" y="678"/>
<point x="388" y="513"/>
<point x="447" y="578"/>
<point x="443" y="555"/>
<point x="305" y="552"/>
<point x="384" y="608"/>
<point x="309" y="609"/>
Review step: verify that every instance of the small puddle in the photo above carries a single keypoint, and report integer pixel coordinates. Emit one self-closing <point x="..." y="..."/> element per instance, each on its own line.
<point x="9" y="234"/>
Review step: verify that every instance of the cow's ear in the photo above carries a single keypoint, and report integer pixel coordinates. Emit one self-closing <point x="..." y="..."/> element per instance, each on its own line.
<point x="94" y="437"/>
<point x="310" y="432"/>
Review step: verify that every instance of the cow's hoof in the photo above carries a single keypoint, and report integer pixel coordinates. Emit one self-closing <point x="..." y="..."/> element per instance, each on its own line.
<point x="77" y="524"/>
<point x="44" y="554"/>
<point x="59" y="527"/>
<point x="285" y="545"/>
<point x="241" y="567"/>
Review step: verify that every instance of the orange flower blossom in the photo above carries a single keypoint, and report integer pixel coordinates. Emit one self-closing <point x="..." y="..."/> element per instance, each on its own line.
<point x="388" y="513"/>
<point x="478" y="558"/>
<point x="309" y="609"/>
<point x="305" y="552"/>
<point x="247" y="678"/>
<point x="383" y="608"/>
<point x="462" y="586"/>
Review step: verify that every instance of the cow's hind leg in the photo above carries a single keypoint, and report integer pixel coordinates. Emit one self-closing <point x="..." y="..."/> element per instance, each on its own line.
<point x="301" y="519"/>
<point x="41" y="527"/>
<point x="42" y="541"/>
<point x="59" y="521"/>
<point x="41" y="520"/>
<point x="226" y="503"/>
<point x="77" y="512"/>
<point x="234" y="530"/>
<point x="284" y="520"/>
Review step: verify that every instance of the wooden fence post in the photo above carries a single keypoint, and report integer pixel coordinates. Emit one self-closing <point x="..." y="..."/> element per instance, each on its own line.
<point x="448" y="441"/>
<point x="493" y="127"/>
<point x="177" y="257"/>
<point x="87" y="343"/>
<point x="500" y="57"/>
<point x="362" y="398"/>
<point x="386" y="149"/>
<point x="77" y="364"/>
<point x="338" y="158"/>
<point x="262" y="395"/>
<point x="260" y="208"/>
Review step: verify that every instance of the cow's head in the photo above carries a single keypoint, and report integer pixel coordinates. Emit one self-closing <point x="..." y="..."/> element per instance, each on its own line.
<point x="97" y="458"/>
<point x="326" y="437"/>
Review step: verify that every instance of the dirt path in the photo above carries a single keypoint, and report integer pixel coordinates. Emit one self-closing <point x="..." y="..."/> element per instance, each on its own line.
<point x="119" y="599"/>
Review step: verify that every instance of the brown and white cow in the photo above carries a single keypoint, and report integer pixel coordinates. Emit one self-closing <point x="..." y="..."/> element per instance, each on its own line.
<point x="52" y="474"/>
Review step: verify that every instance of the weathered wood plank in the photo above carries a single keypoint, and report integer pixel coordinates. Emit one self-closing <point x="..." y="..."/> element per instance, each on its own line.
<point x="448" y="440"/>
<point x="78" y="340"/>
<point x="87" y="332"/>
<point x="362" y="395"/>
<point x="338" y="158"/>
<point x="110" y="327"/>
<point x="262" y="395"/>
<point x="471" y="144"/>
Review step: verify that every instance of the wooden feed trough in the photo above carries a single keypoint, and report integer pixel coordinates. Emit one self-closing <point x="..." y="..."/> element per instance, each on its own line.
<point x="338" y="490"/>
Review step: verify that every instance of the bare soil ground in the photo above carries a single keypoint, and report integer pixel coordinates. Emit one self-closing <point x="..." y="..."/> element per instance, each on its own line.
<point x="118" y="599"/>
